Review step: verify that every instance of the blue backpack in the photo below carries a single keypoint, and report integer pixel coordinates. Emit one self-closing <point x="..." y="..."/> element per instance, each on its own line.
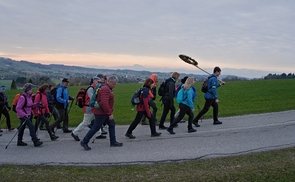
<point x="135" y="99"/>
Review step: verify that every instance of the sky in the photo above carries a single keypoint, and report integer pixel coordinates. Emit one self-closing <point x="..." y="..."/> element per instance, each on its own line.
<point x="246" y="34"/>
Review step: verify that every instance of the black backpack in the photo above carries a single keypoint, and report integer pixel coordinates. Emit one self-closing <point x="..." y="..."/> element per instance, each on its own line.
<point x="162" y="88"/>
<point x="53" y="95"/>
<point x="135" y="99"/>
<point x="205" y="85"/>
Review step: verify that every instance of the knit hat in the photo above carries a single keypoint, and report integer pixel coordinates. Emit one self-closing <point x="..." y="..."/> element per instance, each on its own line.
<point x="2" y="87"/>
<point x="184" y="79"/>
<point x="27" y="87"/>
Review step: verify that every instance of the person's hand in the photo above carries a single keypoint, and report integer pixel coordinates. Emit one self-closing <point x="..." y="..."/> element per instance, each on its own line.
<point x="216" y="100"/>
<point x="222" y="83"/>
<point x="68" y="101"/>
<point x="111" y="117"/>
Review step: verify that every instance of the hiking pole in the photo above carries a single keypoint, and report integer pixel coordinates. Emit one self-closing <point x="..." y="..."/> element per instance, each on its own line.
<point x="193" y="62"/>
<point x="16" y="133"/>
<point x="70" y="106"/>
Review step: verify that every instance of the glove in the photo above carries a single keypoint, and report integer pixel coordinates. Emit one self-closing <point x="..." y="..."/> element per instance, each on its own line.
<point x="47" y="115"/>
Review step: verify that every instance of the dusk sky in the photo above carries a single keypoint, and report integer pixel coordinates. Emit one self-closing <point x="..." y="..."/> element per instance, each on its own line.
<point x="236" y="34"/>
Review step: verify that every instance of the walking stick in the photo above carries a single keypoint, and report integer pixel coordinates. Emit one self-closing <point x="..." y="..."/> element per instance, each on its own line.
<point x="16" y="133"/>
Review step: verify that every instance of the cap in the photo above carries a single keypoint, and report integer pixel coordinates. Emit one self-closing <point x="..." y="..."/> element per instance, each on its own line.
<point x="2" y="87"/>
<point x="65" y="80"/>
<point x="101" y="75"/>
<point x="97" y="79"/>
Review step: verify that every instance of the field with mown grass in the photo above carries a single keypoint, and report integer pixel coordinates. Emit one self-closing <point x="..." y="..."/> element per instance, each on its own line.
<point x="236" y="98"/>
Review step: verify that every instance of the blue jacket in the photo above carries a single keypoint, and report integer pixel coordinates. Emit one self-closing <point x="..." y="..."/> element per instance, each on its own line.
<point x="63" y="99"/>
<point x="178" y="87"/>
<point x="212" y="88"/>
<point x="189" y="94"/>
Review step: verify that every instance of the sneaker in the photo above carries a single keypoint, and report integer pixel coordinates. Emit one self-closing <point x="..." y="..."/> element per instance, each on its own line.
<point x="10" y="129"/>
<point x="155" y="134"/>
<point x="85" y="145"/>
<point x="171" y="131"/>
<point x="217" y="122"/>
<point x="67" y="131"/>
<point x="117" y="144"/>
<point x="163" y="127"/>
<point x="53" y="137"/>
<point x="191" y="130"/>
<point x="101" y="137"/>
<point x="75" y="137"/>
<point x="130" y="136"/>
<point x="103" y="132"/>
<point x="196" y="124"/>
<point x="144" y="123"/>
<point x="21" y="143"/>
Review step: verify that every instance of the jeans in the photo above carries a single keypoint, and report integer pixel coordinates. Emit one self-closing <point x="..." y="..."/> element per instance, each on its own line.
<point x="99" y="121"/>
<point x="208" y="103"/>
<point x="23" y="123"/>
<point x="184" y="109"/>
<point x="86" y="121"/>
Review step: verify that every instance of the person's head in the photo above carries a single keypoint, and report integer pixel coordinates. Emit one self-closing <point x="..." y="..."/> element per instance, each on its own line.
<point x="97" y="80"/>
<point x="2" y="89"/>
<point x="175" y="75"/>
<point x="28" y="88"/>
<point x="149" y="83"/>
<point x="154" y="77"/>
<point x="102" y="77"/>
<point x="217" y="71"/>
<point x="50" y="87"/>
<point x="44" y="88"/>
<point x="183" y="79"/>
<point x="188" y="83"/>
<point x="112" y="81"/>
<point x="65" y="82"/>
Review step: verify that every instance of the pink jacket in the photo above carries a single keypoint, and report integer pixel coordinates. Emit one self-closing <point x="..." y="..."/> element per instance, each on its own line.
<point x="41" y="97"/>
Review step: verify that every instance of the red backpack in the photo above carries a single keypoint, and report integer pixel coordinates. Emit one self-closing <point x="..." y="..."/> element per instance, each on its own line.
<point x="81" y="97"/>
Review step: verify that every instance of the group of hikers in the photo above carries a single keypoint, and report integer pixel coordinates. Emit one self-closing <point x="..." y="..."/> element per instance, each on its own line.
<point x="99" y="104"/>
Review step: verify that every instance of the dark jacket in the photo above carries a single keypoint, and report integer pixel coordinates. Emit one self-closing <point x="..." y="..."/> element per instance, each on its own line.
<point x="169" y="90"/>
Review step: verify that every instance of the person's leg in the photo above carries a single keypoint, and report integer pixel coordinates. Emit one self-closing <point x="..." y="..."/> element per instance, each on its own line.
<point x="182" y="111"/>
<point x="215" y="113"/>
<point x="112" y="133"/>
<point x="7" y="116"/>
<point x="164" y="114"/>
<point x="135" y="122"/>
<point x="203" y="111"/>
<point x="61" y="113"/>
<point x="99" y="120"/>
<point x="86" y="121"/>
<point x="31" y="127"/>
<point x="172" y="113"/>
<point x="66" y="122"/>
<point x="155" y="109"/>
<point x="21" y="129"/>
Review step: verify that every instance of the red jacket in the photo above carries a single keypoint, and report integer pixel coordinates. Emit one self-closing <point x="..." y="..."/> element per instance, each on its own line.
<point x="41" y="97"/>
<point x="145" y="96"/>
<point x="105" y="99"/>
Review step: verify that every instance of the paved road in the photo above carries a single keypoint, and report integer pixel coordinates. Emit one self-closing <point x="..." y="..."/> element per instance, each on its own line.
<point x="237" y="135"/>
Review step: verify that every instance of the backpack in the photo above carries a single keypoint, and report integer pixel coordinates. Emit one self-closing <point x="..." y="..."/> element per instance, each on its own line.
<point x="14" y="102"/>
<point x="53" y="95"/>
<point x="93" y="102"/>
<point x="205" y="85"/>
<point x="162" y="88"/>
<point x="34" y="95"/>
<point x="180" y="96"/>
<point x="81" y="97"/>
<point x="135" y="99"/>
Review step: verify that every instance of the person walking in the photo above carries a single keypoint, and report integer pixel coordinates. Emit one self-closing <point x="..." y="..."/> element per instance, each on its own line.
<point x="168" y="99"/>
<point x="5" y="108"/>
<point x="186" y="105"/>
<point x="42" y="113"/>
<point x="24" y="110"/>
<point x="96" y="83"/>
<point x="63" y="99"/>
<point x="143" y="109"/>
<point x="104" y="114"/>
<point x="211" y="98"/>
<point x="152" y="104"/>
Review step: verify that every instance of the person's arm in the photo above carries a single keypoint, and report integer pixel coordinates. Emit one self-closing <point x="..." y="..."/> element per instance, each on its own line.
<point x="103" y="99"/>
<point x="145" y="100"/>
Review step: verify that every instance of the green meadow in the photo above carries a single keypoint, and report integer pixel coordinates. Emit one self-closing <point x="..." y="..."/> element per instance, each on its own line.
<point x="236" y="98"/>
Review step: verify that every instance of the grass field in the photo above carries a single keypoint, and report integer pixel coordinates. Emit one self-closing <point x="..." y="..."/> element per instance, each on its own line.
<point x="236" y="98"/>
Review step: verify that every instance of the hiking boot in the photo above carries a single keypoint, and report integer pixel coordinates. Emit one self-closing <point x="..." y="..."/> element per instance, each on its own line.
<point x="163" y="127"/>
<point x="21" y="143"/>
<point x="75" y="136"/>
<point x="144" y="123"/>
<point x="85" y="145"/>
<point x="117" y="144"/>
<point x="171" y="131"/>
<point x="130" y="136"/>
<point x="156" y="134"/>
<point x="196" y="124"/>
<point x="10" y="129"/>
<point x="103" y="132"/>
<point x="53" y="137"/>
<point x="217" y="122"/>
<point x="37" y="142"/>
<point x="191" y="130"/>
<point x="101" y="137"/>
